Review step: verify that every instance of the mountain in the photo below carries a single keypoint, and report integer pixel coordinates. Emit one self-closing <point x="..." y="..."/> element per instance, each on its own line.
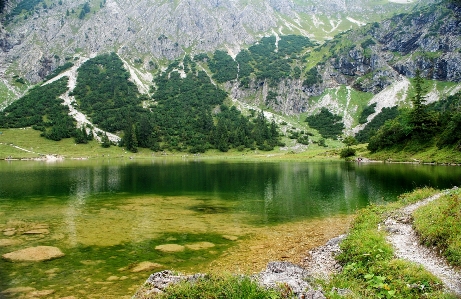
<point x="272" y="55"/>
<point x="37" y="36"/>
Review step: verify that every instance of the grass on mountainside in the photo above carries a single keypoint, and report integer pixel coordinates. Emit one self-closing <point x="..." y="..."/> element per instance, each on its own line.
<point x="369" y="267"/>
<point x="222" y="287"/>
<point x="439" y="225"/>
<point x="430" y="154"/>
<point x="30" y="140"/>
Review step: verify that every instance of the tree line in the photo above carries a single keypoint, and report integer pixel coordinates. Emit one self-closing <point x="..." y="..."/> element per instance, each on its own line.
<point x="421" y="126"/>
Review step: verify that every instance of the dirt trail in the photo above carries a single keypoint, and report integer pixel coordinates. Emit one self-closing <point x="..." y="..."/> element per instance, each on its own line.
<point x="407" y="246"/>
<point x="321" y="262"/>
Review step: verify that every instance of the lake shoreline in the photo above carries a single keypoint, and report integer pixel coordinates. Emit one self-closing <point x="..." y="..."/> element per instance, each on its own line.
<point x="320" y="262"/>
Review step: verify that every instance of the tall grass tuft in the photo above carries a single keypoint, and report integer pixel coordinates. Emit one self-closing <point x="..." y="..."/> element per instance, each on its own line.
<point x="219" y="287"/>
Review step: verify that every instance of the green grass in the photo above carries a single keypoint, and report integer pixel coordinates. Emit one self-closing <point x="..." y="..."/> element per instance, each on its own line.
<point x="30" y="140"/>
<point x="430" y="154"/>
<point x="214" y="287"/>
<point x="439" y="224"/>
<point x="369" y="267"/>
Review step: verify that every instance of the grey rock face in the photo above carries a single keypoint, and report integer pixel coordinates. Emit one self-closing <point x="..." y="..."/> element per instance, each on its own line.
<point x="156" y="30"/>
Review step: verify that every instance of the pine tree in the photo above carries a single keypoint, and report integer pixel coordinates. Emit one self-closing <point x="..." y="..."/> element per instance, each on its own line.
<point x="420" y="118"/>
<point x="105" y="142"/>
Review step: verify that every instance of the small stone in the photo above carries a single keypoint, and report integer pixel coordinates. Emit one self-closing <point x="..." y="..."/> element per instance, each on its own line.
<point x="9" y="232"/>
<point x="230" y="237"/>
<point x="40" y="231"/>
<point x="112" y="278"/>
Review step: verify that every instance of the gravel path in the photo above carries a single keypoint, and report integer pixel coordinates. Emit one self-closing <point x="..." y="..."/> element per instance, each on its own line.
<point x="407" y="246"/>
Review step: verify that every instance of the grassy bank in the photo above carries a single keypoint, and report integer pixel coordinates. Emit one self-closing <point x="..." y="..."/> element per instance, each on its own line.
<point x="439" y="225"/>
<point x="27" y="144"/>
<point x="369" y="267"/>
<point x="214" y="287"/>
<point x="430" y="154"/>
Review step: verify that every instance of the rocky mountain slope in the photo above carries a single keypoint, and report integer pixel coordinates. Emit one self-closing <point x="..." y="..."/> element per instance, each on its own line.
<point x="371" y="65"/>
<point x="36" y="39"/>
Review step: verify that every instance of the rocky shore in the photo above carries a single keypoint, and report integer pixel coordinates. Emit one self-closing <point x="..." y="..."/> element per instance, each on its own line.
<point x="320" y="262"/>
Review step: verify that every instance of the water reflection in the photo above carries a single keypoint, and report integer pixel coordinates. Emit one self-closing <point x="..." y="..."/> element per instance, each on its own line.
<point x="109" y="215"/>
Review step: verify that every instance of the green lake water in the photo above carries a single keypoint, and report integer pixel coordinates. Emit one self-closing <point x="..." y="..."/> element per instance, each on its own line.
<point x="110" y="216"/>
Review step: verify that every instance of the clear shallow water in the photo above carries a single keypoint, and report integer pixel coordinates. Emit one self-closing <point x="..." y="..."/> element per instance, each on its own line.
<point x="109" y="216"/>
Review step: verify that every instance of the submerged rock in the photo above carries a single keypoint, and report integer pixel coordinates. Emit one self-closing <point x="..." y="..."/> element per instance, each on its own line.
<point x="170" y="248"/>
<point x="200" y="245"/>
<point x="145" y="266"/>
<point x="230" y="237"/>
<point x="34" y="254"/>
<point x="9" y="242"/>
<point x="38" y="231"/>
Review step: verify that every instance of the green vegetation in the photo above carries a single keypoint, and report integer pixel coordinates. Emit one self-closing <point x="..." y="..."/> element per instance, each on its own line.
<point x="422" y="126"/>
<point x="348" y="151"/>
<point x="369" y="267"/>
<point x="439" y="225"/>
<point x="184" y="120"/>
<point x="376" y="123"/>
<point x="25" y="5"/>
<point x="2" y="5"/>
<point x="85" y="10"/>
<point x="215" y="287"/>
<point x="328" y="124"/>
<point x="272" y="61"/>
<point x="59" y="70"/>
<point x="367" y="111"/>
<point x="312" y="77"/>
<point x="223" y="67"/>
<point x="104" y="93"/>
<point x="41" y="108"/>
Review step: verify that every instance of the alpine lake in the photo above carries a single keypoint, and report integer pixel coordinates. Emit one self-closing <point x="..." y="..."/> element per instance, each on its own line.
<point x="118" y="221"/>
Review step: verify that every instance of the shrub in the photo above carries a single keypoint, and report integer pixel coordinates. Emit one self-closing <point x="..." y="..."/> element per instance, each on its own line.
<point x="347" y="152"/>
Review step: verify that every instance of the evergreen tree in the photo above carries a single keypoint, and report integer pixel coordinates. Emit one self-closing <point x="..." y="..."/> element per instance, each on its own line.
<point x="105" y="142"/>
<point x="420" y="119"/>
<point x="129" y="139"/>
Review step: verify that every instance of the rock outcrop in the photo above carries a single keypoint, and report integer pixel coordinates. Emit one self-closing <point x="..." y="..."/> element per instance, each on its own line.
<point x="146" y="30"/>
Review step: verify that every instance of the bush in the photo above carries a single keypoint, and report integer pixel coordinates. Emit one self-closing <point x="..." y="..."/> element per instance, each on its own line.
<point x="328" y="124"/>
<point x="347" y="152"/>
